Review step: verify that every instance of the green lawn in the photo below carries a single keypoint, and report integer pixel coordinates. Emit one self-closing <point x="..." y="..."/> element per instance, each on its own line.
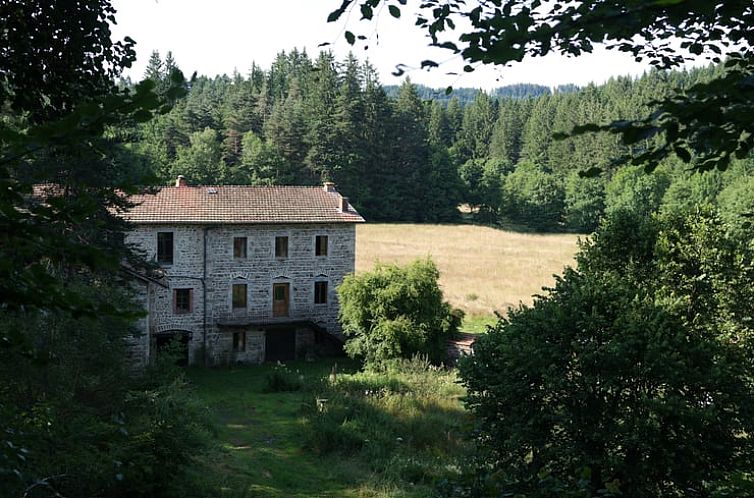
<point x="375" y="438"/>
<point x="477" y="324"/>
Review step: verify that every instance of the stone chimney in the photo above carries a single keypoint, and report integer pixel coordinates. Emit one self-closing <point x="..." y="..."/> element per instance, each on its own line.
<point x="343" y="204"/>
<point x="181" y="181"/>
<point x="329" y="187"/>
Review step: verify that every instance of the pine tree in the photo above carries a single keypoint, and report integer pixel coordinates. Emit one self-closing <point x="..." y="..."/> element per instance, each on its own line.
<point x="479" y="119"/>
<point x="439" y="129"/>
<point x="538" y="132"/>
<point x="320" y="115"/>
<point x="154" y="68"/>
<point x="410" y="156"/>
<point x="349" y="127"/>
<point x="286" y="129"/>
<point x="377" y="198"/>
<point x="506" y="139"/>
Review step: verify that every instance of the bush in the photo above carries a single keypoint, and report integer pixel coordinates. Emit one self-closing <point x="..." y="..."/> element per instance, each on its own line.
<point x="396" y="312"/>
<point x="83" y="423"/>
<point x="633" y="374"/>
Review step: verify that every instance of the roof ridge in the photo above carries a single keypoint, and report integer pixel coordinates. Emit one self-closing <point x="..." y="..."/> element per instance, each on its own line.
<point x="242" y="186"/>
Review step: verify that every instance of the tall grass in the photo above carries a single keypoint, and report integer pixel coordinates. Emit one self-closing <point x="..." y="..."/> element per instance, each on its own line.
<point x="405" y="421"/>
<point x="482" y="269"/>
<point x="300" y="431"/>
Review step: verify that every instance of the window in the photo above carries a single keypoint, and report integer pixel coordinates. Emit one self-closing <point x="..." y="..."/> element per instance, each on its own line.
<point x="239" y="247"/>
<point x="239" y="296"/>
<point x="320" y="245"/>
<point x="320" y="292"/>
<point x="239" y="342"/>
<point x="281" y="247"/>
<point x="182" y="302"/>
<point x="165" y="248"/>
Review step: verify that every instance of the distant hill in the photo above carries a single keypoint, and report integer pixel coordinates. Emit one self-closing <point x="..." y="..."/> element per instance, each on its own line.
<point x="466" y="94"/>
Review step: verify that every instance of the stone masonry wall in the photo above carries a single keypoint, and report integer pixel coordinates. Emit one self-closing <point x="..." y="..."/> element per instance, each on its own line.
<point x="259" y="270"/>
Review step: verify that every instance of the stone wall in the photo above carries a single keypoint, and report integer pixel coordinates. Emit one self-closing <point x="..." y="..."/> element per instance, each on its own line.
<point x="259" y="271"/>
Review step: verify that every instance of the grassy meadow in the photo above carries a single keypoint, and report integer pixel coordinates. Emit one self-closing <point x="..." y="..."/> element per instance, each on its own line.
<point x="482" y="269"/>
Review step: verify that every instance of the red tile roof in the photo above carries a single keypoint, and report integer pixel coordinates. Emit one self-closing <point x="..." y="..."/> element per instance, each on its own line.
<point x="240" y="205"/>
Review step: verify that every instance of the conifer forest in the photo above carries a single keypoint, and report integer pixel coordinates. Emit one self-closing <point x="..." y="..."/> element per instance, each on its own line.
<point x="412" y="153"/>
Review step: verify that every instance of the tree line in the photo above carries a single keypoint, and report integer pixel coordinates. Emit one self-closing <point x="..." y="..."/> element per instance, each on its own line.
<point x="409" y="153"/>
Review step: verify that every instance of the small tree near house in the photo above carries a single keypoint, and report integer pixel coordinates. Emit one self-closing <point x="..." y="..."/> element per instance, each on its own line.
<point x="396" y="312"/>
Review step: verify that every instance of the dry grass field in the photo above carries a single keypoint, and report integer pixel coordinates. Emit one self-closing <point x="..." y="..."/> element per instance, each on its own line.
<point x="482" y="269"/>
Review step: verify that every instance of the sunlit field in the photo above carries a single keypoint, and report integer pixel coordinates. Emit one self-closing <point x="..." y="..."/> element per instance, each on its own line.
<point x="482" y="269"/>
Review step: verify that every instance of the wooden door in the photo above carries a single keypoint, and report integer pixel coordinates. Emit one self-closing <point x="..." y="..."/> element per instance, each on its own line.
<point x="280" y="299"/>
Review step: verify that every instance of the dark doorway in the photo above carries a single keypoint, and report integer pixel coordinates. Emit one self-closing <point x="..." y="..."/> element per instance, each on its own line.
<point x="280" y="344"/>
<point x="280" y="299"/>
<point x="174" y="343"/>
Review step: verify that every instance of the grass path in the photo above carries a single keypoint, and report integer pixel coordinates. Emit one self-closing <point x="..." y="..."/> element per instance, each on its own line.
<point x="482" y="269"/>
<point x="260" y="435"/>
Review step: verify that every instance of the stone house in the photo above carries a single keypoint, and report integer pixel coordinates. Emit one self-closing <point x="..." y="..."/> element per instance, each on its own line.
<point x="249" y="273"/>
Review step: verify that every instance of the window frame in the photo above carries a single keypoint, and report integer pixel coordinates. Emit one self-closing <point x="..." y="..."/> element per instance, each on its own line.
<point x="321" y="289"/>
<point x="161" y="255"/>
<point x="240" y="247"/>
<point x="233" y="296"/>
<point x="281" y="238"/>
<point x="181" y="310"/>
<point x="239" y="341"/>
<point x="321" y="250"/>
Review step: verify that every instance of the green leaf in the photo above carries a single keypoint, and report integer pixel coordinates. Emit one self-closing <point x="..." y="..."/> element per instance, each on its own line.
<point x="394" y="11"/>
<point x="449" y="90"/>
<point x="350" y="38"/>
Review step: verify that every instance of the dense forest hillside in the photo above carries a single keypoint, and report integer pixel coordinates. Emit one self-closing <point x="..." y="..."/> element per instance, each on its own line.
<point x="466" y="95"/>
<point x="412" y="153"/>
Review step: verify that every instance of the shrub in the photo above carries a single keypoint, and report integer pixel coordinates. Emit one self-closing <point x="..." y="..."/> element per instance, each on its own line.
<point x="631" y="375"/>
<point x="396" y="312"/>
<point x="87" y="425"/>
